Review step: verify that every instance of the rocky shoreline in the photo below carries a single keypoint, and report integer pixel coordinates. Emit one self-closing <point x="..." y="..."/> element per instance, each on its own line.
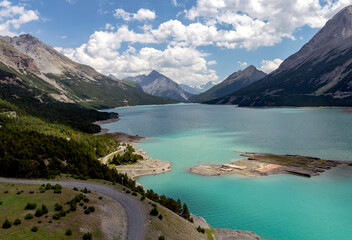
<point x="263" y="164"/>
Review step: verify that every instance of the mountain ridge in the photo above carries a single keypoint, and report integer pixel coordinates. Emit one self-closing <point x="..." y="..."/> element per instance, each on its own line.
<point x="319" y="74"/>
<point x="232" y="83"/>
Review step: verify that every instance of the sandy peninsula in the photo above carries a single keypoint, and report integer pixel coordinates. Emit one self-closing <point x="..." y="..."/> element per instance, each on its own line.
<point x="143" y="167"/>
<point x="263" y="164"/>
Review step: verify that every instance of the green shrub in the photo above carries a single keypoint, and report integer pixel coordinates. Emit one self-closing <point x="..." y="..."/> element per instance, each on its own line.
<point x="128" y="191"/>
<point x="18" y="193"/>
<point x="58" y="207"/>
<point x="73" y="206"/>
<point x="31" y="192"/>
<point x="56" y="216"/>
<point x="85" y="199"/>
<point x="68" y="232"/>
<point x="100" y="198"/>
<point x="0" y="202"/>
<point x="50" y="221"/>
<point x="87" y="211"/>
<point x="87" y="236"/>
<point x="28" y="216"/>
<point x="39" y="213"/>
<point x="17" y="222"/>
<point x="34" y="229"/>
<point x="44" y="209"/>
<point x="142" y="198"/>
<point x="162" y="237"/>
<point x="200" y="229"/>
<point x="134" y="194"/>
<point x="81" y="204"/>
<point x="154" y="211"/>
<point x="91" y="209"/>
<point x="160" y="217"/>
<point x="74" y="189"/>
<point x="62" y="213"/>
<point x="7" y="224"/>
<point x="6" y="192"/>
<point x="40" y="221"/>
<point x="48" y="186"/>
<point x="31" y="206"/>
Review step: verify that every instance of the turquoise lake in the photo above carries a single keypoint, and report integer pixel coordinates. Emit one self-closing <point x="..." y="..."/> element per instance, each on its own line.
<point x="274" y="207"/>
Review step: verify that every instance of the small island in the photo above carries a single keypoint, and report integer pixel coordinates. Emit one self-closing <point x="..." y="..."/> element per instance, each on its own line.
<point x="264" y="164"/>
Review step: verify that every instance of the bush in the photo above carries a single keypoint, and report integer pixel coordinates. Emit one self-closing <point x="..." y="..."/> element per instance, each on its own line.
<point x="40" y="221"/>
<point x="56" y="216"/>
<point x="154" y="211"/>
<point x="48" y="186"/>
<point x="160" y="217"/>
<point x="28" y="216"/>
<point x="85" y="199"/>
<point x="34" y="229"/>
<point x="0" y="202"/>
<point x="31" y="206"/>
<point x="128" y="191"/>
<point x="6" y="192"/>
<point x="200" y="229"/>
<point x="142" y="198"/>
<point x="134" y="194"/>
<point x="58" y="207"/>
<point x="44" y="209"/>
<point x="162" y="237"/>
<point x="17" y="222"/>
<point x="100" y="198"/>
<point x="31" y="192"/>
<point x="91" y="209"/>
<point x="7" y="224"/>
<point x="39" y="213"/>
<point x="74" y="189"/>
<point x="68" y="232"/>
<point x="73" y="206"/>
<point x="87" y="236"/>
<point x="62" y="213"/>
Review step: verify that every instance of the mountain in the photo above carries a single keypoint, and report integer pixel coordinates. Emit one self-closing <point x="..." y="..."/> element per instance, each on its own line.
<point x="159" y="85"/>
<point x="197" y="89"/>
<point x="38" y="65"/>
<point x="319" y="74"/>
<point x="232" y="83"/>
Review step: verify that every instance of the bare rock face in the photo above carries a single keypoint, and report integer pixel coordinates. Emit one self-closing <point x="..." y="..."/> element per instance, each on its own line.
<point x="159" y="85"/>
<point x="320" y="74"/>
<point x="15" y="59"/>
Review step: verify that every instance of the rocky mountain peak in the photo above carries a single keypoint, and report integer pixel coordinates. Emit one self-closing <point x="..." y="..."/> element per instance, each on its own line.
<point x="337" y="33"/>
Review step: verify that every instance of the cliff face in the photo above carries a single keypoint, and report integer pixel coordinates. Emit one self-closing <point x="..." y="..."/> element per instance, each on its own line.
<point x="232" y="83"/>
<point x="320" y="74"/>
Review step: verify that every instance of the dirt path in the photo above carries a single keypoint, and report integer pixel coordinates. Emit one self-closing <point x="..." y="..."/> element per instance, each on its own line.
<point x="134" y="214"/>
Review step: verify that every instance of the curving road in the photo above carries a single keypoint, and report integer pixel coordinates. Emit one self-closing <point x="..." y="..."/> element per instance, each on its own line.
<point x="134" y="213"/>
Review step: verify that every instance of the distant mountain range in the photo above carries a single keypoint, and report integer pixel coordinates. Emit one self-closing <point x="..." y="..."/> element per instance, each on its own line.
<point x="158" y="84"/>
<point x="319" y="74"/>
<point x="232" y="83"/>
<point x="198" y="89"/>
<point x="40" y="67"/>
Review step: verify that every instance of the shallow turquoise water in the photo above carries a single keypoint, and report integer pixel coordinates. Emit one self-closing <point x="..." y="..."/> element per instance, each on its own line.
<point x="275" y="207"/>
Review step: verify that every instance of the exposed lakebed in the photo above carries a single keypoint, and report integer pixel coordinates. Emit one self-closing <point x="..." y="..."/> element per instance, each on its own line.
<point x="275" y="207"/>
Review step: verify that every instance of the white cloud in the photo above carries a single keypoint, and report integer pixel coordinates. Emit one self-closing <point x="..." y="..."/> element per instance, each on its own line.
<point x="173" y="46"/>
<point x="110" y="27"/>
<point x="242" y="64"/>
<point x="257" y="23"/>
<point x="212" y="62"/>
<point x="63" y="37"/>
<point x="142" y="15"/>
<point x="174" y="2"/>
<point x="13" y="16"/>
<point x="270" y="65"/>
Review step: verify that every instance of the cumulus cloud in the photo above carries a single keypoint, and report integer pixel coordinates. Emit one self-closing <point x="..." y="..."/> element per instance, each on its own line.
<point x="173" y="47"/>
<point x="13" y="16"/>
<point x="257" y="23"/>
<point x="142" y="15"/>
<point x="270" y="65"/>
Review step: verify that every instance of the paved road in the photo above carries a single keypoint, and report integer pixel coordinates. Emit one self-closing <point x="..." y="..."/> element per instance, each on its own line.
<point x="134" y="213"/>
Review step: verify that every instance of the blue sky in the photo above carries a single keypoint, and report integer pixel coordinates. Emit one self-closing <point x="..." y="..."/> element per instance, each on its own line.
<point x="190" y="41"/>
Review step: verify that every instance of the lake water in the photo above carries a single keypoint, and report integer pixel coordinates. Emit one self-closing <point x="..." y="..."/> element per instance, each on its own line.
<point x="275" y="207"/>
